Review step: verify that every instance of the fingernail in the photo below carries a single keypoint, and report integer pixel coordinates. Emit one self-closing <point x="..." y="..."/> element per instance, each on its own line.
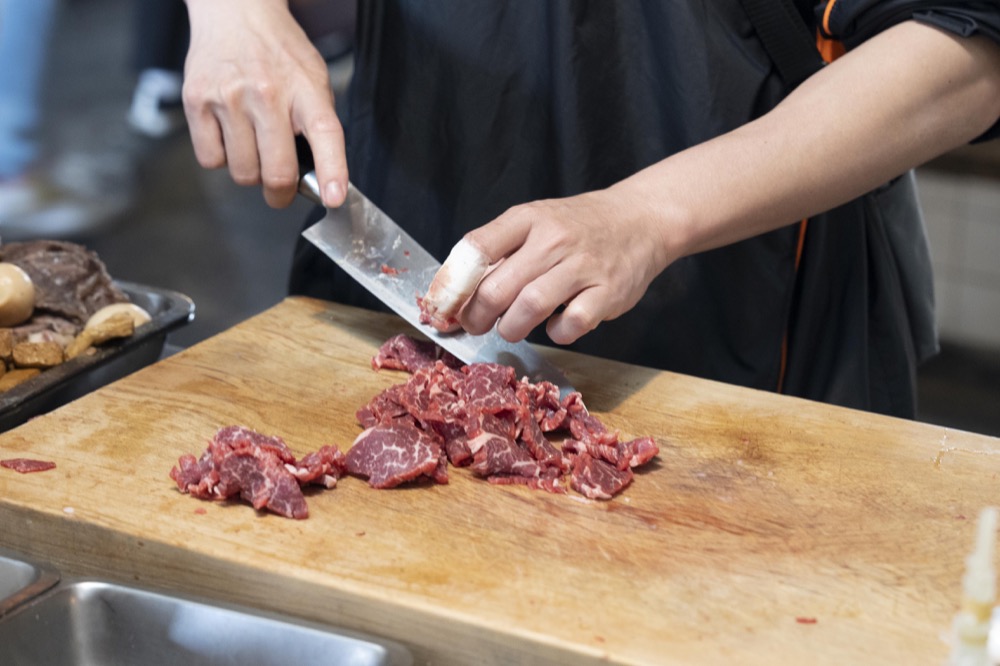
<point x="334" y="194"/>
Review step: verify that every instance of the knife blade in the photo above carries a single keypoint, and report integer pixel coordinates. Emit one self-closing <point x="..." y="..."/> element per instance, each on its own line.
<point x="380" y="255"/>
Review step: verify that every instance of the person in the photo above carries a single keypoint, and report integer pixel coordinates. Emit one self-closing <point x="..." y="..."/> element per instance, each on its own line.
<point x="66" y="195"/>
<point x="640" y="176"/>
<point x="25" y="27"/>
<point x="159" y="47"/>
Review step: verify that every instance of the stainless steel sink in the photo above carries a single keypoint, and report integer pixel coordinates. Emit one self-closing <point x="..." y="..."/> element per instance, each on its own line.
<point x="21" y="580"/>
<point x="90" y="622"/>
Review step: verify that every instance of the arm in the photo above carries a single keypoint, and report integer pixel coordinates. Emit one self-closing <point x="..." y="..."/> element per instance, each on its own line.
<point x="252" y="82"/>
<point x="859" y="122"/>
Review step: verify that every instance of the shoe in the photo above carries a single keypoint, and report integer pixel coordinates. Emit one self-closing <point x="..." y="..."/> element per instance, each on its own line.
<point x="80" y="196"/>
<point x="156" y="110"/>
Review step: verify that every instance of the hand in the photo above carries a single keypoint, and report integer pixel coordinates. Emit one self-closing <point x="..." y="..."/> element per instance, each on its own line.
<point x="252" y="82"/>
<point x="592" y="253"/>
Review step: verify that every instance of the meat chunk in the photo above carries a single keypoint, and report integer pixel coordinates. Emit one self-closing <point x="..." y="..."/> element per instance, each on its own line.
<point x="401" y="352"/>
<point x="597" y="479"/>
<point x="395" y="452"/>
<point x="259" y="469"/>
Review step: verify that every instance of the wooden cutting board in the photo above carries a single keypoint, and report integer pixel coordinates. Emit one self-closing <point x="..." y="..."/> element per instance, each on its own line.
<point x="770" y="530"/>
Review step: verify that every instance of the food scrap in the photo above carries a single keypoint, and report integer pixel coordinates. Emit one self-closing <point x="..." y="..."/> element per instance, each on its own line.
<point x="27" y="465"/>
<point x="389" y="270"/>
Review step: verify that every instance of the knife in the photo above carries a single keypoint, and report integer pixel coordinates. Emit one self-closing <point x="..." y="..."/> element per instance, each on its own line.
<point x="376" y="252"/>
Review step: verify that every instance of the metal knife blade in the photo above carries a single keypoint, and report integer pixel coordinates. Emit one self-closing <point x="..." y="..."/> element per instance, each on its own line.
<point x="376" y="252"/>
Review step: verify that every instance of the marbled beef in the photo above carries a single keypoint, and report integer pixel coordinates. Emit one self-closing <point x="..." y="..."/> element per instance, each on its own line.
<point x="395" y="452"/>
<point x="481" y="415"/>
<point x="260" y="469"/>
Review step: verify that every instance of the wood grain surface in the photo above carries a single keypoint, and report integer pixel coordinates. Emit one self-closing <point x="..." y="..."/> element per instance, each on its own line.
<point x="770" y="530"/>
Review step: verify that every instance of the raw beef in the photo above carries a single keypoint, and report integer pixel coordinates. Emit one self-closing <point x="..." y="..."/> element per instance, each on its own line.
<point x="27" y="465"/>
<point x="394" y="452"/>
<point x="402" y="352"/>
<point x="258" y="468"/>
<point x="597" y="479"/>
<point x="482" y="416"/>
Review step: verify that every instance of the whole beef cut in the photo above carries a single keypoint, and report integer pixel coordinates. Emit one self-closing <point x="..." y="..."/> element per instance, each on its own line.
<point x="259" y="469"/>
<point x="482" y="416"/>
<point x="71" y="282"/>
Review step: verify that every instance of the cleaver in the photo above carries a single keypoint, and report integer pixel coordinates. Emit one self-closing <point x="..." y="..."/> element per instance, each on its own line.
<point x="376" y="252"/>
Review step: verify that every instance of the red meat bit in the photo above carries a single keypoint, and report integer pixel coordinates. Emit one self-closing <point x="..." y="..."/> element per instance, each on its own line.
<point x="257" y="468"/>
<point x="806" y="620"/>
<point x="27" y="465"/>
<point x="389" y="270"/>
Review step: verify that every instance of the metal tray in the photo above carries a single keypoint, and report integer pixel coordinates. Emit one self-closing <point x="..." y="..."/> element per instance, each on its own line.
<point x="22" y="580"/>
<point x="95" y="622"/>
<point x="70" y="380"/>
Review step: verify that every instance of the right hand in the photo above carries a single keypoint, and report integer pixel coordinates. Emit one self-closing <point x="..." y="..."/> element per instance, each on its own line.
<point x="252" y="81"/>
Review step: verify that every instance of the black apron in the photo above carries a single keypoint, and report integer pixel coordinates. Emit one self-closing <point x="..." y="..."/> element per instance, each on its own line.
<point x="460" y="110"/>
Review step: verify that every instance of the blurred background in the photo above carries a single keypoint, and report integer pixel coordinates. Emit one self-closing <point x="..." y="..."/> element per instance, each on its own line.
<point x="115" y="139"/>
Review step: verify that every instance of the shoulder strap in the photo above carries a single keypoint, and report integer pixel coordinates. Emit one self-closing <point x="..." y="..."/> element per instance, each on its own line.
<point x="786" y="39"/>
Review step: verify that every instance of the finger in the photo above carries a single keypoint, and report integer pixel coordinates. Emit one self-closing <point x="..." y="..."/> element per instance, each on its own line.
<point x="206" y="135"/>
<point x="317" y="121"/>
<point x="453" y="283"/>
<point x="240" y="141"/>
<point x="537" y="300"/>
<point x="501" y="243"/>
<point x="495" y="293"/>
<point x="279" y="167"/>
<point x="581" y="315"/>
<point x="504" y="235"/>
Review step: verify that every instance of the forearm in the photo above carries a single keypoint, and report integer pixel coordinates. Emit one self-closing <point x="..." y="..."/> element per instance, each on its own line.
<point x="904" y="97"/>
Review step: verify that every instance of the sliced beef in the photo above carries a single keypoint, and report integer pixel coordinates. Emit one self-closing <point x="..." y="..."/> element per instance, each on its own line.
<point x="482" y="416"/>
<point x="259" y="469"/>
<point x="494" y="454"/>
<point x="321" y="468"/>
<point x="402" y="352"/>
<point x="597" y="479"/>
<point x="395" y="452"/>
<point x="622" y="455"/>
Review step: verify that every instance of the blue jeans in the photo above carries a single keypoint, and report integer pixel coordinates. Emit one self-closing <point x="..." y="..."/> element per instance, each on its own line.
<point x="25" y="29"/>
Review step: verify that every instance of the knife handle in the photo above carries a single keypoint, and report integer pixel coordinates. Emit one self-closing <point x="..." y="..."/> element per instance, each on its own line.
<point x="308" y="183"/>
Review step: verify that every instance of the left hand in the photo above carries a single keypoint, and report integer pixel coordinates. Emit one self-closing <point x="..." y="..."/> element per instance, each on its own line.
<point x="586" y="252"/>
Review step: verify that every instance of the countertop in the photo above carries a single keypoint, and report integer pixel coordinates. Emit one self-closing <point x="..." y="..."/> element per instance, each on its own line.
<point x="769" y="530"/>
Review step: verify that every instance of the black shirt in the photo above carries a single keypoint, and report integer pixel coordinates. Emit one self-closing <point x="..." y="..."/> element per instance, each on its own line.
<point x="459" y="110"/>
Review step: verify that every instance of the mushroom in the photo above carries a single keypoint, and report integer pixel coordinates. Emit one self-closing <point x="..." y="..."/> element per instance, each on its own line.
<point x="17" y="295"/>
<point x="139" y="316"/>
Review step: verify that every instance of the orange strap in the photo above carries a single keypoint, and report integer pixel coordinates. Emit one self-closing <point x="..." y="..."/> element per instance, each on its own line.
<point x="829" y="49"/>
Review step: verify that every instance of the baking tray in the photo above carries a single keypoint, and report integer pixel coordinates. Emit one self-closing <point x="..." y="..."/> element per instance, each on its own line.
<point x="113" y="360"/>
